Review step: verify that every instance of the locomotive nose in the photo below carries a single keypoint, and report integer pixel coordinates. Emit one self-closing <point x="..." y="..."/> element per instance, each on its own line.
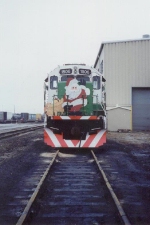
<point x="75" y="131"/>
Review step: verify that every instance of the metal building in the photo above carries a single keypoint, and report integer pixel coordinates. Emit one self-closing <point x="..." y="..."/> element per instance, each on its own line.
<point x="126" y="68"/>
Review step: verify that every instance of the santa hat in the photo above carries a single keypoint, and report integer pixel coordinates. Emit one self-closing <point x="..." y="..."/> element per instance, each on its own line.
<point x="71" y="81"/>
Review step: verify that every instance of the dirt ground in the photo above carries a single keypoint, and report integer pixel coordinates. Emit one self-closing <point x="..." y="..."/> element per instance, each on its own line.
<point x="133" y="138"/>
<point x="129" y="151"/>
<point x="126" y="161"/>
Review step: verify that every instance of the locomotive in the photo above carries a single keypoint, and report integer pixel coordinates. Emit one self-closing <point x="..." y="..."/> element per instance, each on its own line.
<point x="74" y="107"/>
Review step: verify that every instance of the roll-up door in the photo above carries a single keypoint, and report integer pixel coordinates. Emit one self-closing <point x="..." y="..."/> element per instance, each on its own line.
<point x="141" y="108"/>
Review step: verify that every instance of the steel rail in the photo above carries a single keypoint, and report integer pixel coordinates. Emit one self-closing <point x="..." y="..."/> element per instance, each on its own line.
<point x="34" y="195"/>
<point x="18" y="131"/>
<point x="117" y="203"/>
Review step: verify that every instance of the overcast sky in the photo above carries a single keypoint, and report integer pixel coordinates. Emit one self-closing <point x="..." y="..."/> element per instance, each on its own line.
<point x="38" y="35"/>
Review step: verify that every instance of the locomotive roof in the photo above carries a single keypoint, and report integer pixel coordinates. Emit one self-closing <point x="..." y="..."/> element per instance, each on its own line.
<point x="72" y="65"/>
<point x="82" y="64"/>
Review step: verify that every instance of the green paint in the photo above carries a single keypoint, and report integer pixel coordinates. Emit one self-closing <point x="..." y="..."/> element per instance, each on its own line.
<point x="61" y="89"/>
<point x="97" y="107"/>
<point x="90" y="108"/>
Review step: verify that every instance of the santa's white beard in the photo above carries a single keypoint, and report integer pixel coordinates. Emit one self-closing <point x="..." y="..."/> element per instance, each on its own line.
<point x="73" y="94"/>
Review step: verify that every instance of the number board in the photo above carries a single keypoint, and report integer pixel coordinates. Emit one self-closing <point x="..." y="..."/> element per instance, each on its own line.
<point x="65" y="71"/>
<point x="84" y="71"/>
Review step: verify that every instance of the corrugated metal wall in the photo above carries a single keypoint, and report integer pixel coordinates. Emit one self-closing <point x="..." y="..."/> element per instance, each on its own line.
<point x="126" y="65"/>
<point x="141" y="108"/>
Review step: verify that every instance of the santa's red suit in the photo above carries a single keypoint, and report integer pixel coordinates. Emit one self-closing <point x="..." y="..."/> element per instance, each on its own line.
<point x="76" y="103"/>
<point x="75" y="96"/>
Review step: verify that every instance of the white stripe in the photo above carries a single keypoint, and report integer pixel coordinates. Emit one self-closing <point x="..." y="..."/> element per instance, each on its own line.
<point x="84" y="117"/>
<point x="97" y="138"/>
<point x="53" y="137"/>
<point x="69" y="143"/>
<point x="83" y="141"/>
<point x="81" y="118"/>
<point x="68" y="117"/>
<point x="65" y="117"/>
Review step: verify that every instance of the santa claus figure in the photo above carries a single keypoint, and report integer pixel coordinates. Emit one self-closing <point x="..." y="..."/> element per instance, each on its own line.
<point x="75" y="96"/>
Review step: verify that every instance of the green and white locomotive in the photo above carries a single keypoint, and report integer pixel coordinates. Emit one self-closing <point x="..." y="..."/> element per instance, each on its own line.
<point x="75" y="107"/>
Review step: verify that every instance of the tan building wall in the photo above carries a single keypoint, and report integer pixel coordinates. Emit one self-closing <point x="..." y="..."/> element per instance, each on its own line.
<point x="118" y="119"/>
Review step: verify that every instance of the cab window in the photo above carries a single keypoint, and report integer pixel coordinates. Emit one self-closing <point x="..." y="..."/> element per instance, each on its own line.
<point x="96" y="82"/>
<point x="65" y="77"/>
<point x="82" y="79"/>
<point x="53" y="82"/>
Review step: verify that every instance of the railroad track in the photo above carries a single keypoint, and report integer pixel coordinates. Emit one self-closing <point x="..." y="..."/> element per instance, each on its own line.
<point x="12" y="133"/>
<point x="68" y="189"/>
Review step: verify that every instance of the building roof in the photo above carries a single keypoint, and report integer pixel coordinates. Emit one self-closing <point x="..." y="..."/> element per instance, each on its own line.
<point x="113" y="42"/>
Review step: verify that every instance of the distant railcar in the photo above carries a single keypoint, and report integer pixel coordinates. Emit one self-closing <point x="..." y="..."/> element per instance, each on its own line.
<point x="75" y="107"/>
<point x="31" y="117"/>
<point x="24" y="117"/>
<point x="5" y="117"/>
<point x="39" y="117"/>
<point x="16" y="116"/>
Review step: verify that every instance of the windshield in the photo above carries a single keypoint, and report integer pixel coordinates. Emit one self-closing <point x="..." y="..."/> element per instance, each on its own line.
<point x="78" y="77"/>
